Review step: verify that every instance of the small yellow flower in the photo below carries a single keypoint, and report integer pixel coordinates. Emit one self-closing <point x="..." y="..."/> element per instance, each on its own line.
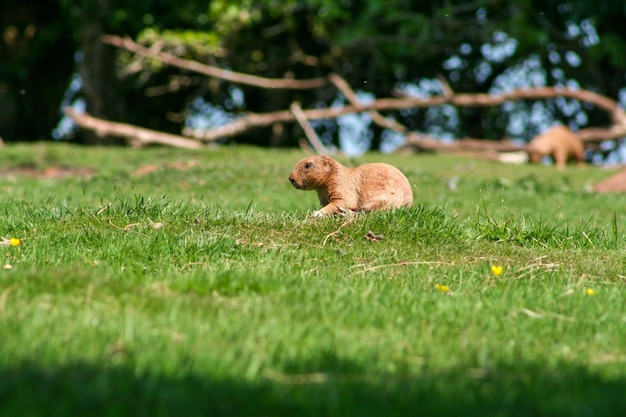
<point x="15" y="241"/>
<point x="497" y="270"/>
<point x="590" y="291"/>
<point x="442" y="287"/>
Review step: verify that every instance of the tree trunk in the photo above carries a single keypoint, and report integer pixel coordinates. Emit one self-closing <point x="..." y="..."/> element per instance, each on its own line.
<point x="97" y="69"/>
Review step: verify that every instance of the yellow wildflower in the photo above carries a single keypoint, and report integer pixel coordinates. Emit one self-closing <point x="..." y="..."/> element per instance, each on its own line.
<point x="442" y="287"/>
<point x="15" y="241"/>
<point x="497" y="270"/>
<point x="590" y="291"/>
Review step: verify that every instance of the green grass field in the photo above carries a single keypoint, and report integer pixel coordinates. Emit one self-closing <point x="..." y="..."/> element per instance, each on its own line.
<point x="162" y="282"/>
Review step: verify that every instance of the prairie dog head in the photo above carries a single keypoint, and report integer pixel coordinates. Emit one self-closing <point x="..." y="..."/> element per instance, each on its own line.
<point x="312" y="173"/>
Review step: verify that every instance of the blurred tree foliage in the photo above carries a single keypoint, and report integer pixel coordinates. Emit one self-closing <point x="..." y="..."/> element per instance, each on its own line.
<point x="35" y="64"/>
<point x="44" y="44"/>
<point x="376" y="45"/>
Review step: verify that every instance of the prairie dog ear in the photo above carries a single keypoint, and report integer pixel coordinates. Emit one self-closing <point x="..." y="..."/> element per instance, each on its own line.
<point x="325" y="159"/>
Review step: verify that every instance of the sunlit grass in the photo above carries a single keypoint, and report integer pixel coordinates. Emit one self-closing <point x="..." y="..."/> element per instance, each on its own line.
<point x="203" y="287"/>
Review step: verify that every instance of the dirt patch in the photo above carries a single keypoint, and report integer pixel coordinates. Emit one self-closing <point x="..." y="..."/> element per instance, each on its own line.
<point x="178" y="165"/>
<point x="53" y="172"/>
<point x="614" y="184"/>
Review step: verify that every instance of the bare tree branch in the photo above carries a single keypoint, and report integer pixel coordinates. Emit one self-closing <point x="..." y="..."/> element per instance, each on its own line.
<point x="598" y="134"/>
<point x="251" y="121"/>
<point x="259" y="120"/>
<point x="445" y="87"/>
<point x="211" y="71"/>
<point x="308" y="129"/>
<point x="485" y="100"/>
<point x="343" y="86"/>
<point x="137" y="136"/>
<point x="425" y="143"/>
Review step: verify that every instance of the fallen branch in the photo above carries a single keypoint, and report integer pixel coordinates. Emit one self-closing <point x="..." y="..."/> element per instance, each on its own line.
<point x="308" y="129"/>
<point x="389" y="104"/>
<point x="134" y="135"/>
<point x="211" y="71"/>
<point x="618" y="115"/>
<point x="501" y="150"/>
<point x="343" y="86"/>
<point x="402" y="101"/>
<point x="598" y="134"/>
<point x="537" y="93"/>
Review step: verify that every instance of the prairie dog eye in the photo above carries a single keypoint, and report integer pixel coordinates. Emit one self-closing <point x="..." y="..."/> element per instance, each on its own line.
<point x="308" y="165"/>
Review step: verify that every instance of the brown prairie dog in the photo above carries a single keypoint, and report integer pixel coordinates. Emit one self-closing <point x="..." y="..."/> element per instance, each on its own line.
<point x="560" y="143"/>
<point x="341" y="189"/>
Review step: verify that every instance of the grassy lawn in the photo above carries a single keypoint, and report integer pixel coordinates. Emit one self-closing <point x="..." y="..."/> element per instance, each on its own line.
<point x="163" y="282"/>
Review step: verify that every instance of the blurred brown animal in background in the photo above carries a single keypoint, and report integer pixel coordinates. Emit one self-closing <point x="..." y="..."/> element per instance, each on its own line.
<point x="558" y="142"/>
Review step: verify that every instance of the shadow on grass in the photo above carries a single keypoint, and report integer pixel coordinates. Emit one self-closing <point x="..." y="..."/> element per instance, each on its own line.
<point x="84" y="390"/>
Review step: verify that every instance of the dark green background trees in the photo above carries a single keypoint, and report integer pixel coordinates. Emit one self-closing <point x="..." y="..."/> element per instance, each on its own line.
<point x="377" y="46"/>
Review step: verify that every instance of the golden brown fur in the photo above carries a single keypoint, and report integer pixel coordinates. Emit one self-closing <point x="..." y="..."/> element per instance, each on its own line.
<point x="341" y="189"/>
<point x="560" y="143"/>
